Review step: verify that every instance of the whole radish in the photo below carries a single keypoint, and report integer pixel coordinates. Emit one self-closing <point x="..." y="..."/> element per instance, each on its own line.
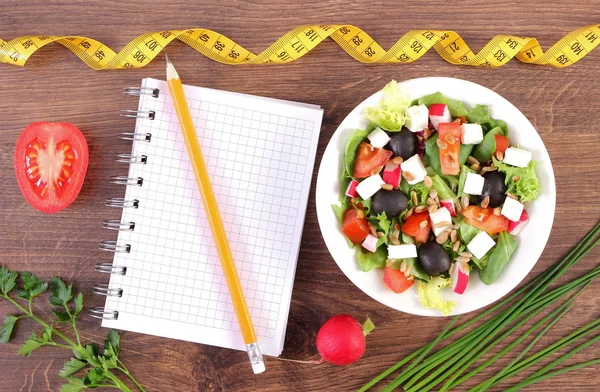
<point x="341" y="340"/>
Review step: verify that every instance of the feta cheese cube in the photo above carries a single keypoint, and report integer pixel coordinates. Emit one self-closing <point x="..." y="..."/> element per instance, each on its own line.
<point x="480" y="244"/>
<point x="473" y="184"/>
<point x="439" y="113"/>
<point x="378" y="138"/>
<point x="471" y="134"/>
<point x="517" y="157"/>
<point x="417" y="118"/>
<point x="512" y="209"/>
<point x="441" y="218"/>
<point x="369" y="186"/>
<point x="370" y="243"/>
<point x="404" y="251"/>
<point x="413" y="168"/>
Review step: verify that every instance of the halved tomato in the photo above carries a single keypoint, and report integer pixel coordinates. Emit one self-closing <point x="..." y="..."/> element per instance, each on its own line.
<point x="354" y="227"/>
<point x="414" y="227"/>
<point x="449" y="145"/>
<point x="484" y="219"/>
<point x="501" y="143"/>
<point x="50" y="161"/>
<point x="368" y="158"/>
<point x="396" y="280"/>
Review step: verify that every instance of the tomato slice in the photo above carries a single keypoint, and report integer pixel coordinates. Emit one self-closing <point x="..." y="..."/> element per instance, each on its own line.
<point x="396" y="280"/>
<point x="368" y="158"/>
<point x="353" y="227"/>
<point x="413" y="228"/>
<point x="501" y="143"/>
<point x="50" y="161"/>
<point x="484" y="219"/>
<point x="449" y="145"/>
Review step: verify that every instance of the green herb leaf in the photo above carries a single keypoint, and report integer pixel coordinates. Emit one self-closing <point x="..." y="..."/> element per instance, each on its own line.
<point x="527" y="187"/>
<point x="486" y="149"/>
<point x="95" y="376"/>
<point x="63" y="317"/>
<point x="382" y="222"/>
<point x="368" y="326"/>
<point x="61" y="294"/>
<point x="72" y="366"/>
<point x="7" y="328"/>
<point x="7" y="280"/>
<point x="32" y="286"/>
<point x="422" y="194"/>
<point x="75" y="385"/>
<point x="78" y="305"/>
<point x="32" y="343"/>
<point x="481" y="114"/>
<point x="456" y="107"/>
<point x="113" y="339"/>
<point x="370" y="260"/>
<point x="389" y="112"/>
<point x="350" y="152"/>
<point x="499" y="258"/>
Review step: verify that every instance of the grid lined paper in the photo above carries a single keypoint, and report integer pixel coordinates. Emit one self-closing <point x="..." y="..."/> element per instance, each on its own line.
<point x="260" y="155"/>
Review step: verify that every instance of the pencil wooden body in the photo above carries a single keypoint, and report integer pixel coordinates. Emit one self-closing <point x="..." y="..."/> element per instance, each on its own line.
<point x="212" y="211"/>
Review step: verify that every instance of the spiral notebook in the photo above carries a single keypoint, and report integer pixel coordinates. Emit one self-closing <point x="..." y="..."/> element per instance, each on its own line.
<point x="166" y="279"/>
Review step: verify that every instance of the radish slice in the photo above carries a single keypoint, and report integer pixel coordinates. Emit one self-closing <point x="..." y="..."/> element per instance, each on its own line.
<point x="370" y="243"/>
<point x="460" y="277"/>
<point x="391" y="174"/>
<point x="515" y="228"/>
<point x="351" y="190"/>
<point x="449" y="204"/>
<point x="439" y="113"/>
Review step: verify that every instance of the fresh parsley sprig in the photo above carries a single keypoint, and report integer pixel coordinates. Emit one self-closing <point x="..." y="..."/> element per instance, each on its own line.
<point x="98" y="368"/>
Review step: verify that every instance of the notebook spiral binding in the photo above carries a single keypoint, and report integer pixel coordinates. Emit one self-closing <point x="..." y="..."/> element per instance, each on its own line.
<point x="120" y="202"/>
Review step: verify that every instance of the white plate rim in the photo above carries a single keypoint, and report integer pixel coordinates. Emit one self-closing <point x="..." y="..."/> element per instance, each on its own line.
<point x="541" y="211"/>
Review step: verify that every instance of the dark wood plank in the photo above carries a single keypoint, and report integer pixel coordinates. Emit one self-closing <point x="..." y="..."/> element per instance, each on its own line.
<point x="564" y="105"/>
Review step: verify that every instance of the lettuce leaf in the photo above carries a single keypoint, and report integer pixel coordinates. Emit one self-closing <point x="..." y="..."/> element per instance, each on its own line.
<point x="422" y="194"/>
<point x="430" y="296"/>
<point x="482" y="114"/>
<point x="527" y="187"/>
<point x="350" y="152"/>
<point x="456" y="107"/>
<point x="370" y="260"/>
<point x="499" y="258"/>
<point x="389" y="112"/>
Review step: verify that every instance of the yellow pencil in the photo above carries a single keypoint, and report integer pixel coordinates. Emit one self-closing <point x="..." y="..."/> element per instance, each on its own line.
<point x="214" y="218"/>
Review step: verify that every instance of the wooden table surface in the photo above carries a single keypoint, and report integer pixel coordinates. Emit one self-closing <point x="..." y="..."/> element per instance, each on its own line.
<point x="564" y="106"/>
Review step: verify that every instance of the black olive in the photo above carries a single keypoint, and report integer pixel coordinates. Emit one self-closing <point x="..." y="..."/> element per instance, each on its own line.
<point x="391" y="202"/>
<point x="433" y="258"/>
<point x="402" y="144"/>
<point x="494" y="187"/>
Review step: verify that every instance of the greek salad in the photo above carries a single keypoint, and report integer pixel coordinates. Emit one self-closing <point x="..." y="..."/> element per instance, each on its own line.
<point x="432" y="191"/>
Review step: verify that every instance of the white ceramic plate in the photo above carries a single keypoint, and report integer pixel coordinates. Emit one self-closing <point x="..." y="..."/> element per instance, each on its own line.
<point x="531" y="241"/>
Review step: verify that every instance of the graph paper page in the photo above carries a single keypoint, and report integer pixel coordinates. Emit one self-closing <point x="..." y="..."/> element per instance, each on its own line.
<point x="260" y="155"/>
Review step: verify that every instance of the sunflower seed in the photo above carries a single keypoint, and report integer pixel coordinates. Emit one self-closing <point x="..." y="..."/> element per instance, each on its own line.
<point x="408" y="176"/>
<point x="360" y="214"/>
<point x="394" y="240"/>
<point x="403" y="266"/>
<point x="453" y="236"/>
<point x="387" y="187"/>
<point x="466" y="254"/>
<point x="373" y="229"/>
<point x="408" y="271"/>
<point x="439" y="225"/>
<point x="462" y="259"/>
<point x="423" y="224"/>
<point x="430" y="201"/>
<point x="390" y="262"/>
<point x="456" y="246"/>
<point x="499" y="155"/>
<point x="413" y="197"/>
<point x="508" y="194"/>
<point x="397" y="160"/>
<point x="458" y="208"/>
<point x="516" y="178"/>
<point x="432" y="208"/>
<point x="487" y="169"/>
<point x="485" y="202"/>
<point x="376" y="170"/>
<point x="497" y="211"/>
<point x="442" y="237"/>
<point x="427" y="133"/>
<point x="464" y="201"/>
<point x="451" y="270"/>
<point x="471" y="159"/>
<point x="409" y="213"/>
<point x="428" y="181"/>
<point x="475" y="166"/>
<point x="380" y="234"/>
<point x="421" y="209"/>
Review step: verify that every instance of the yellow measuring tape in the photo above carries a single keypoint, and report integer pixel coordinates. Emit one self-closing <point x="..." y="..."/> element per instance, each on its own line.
<point x="301" y="40"/>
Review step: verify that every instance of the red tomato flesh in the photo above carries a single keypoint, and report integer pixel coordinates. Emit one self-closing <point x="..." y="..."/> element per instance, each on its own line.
<point x="368" y="158"/>
<point x="396" y="280"/>
<point x="449" y="145"/>
<point x="50" y="161"/>
<point x="355" y="228"/>
<point x="484" y="219"/>
<point x="501" y="143"/>
<point x="413" y="228"/>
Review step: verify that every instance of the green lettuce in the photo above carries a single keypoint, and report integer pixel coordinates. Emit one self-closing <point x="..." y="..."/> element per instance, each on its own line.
<point x="370" y="260"/>
<point x="481" y="114"/>
<point x="484" y="150"/>
<point x="430" y="296"/>
<point x="499" y="258"/>
<point x="389" y="112"/>
<point x="455" y="107"/>
<point x="422" y="194"/>
<point x="350" y="152"/>
<point x="527" y="187"/>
